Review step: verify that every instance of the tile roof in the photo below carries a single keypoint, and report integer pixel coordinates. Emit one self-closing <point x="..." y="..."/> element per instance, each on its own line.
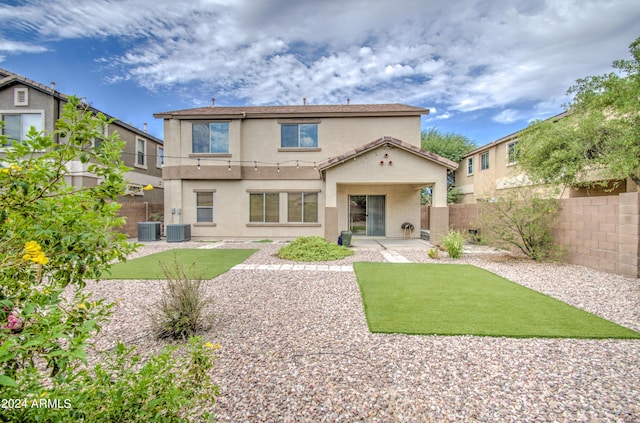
<point x="299" y="110"/>
<point x="334" y="161"/>
<point x="8" y="77"/>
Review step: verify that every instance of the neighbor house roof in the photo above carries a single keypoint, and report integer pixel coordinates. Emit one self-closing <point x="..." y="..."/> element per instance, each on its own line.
<point x="7" y="78"/>
<point x="327" y="110"/>
<point x="510" y="137"/>
<point x="389" y="142"/>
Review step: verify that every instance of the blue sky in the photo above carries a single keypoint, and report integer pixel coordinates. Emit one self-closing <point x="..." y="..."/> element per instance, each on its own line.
<point x="485" y="68"/>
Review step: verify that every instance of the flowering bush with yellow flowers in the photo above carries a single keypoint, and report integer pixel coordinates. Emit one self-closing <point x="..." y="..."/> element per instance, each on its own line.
<point x="54" y="237"/>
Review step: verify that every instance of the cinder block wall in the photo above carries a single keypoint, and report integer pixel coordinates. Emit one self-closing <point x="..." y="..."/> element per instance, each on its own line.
<point x="137" y="212"/>
<point x="602" y="233"/>
<point x="463" y="217"/>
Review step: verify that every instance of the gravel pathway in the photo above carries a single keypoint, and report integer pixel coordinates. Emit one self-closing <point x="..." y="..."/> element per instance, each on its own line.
<point x="296" y="348"/>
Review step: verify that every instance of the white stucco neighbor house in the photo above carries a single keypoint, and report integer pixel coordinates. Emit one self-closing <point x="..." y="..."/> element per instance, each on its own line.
<point x="289" y="171"/>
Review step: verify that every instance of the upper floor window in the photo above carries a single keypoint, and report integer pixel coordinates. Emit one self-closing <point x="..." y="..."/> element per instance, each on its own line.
<point x="212" y="137"/>
<point x="484" y="161"/>
<point x="470" y="166"/>
<point x="159" y="156"/>
<point x="512" y="153"/>
<point x="141" y="152"/>
<point x="20" y="96"/>
<point x="17" y="126"/>
<point x="300" y="135"/>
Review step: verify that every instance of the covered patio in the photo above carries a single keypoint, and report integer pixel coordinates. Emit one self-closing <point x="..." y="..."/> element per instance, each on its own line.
<point x="373" y="190"/>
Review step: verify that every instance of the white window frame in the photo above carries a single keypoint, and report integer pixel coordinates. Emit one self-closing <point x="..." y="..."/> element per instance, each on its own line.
<point x="21" y="92"/>
<point x="159" y="156"/>
<point x="22" y="112"/>
<point x="144" y="153"/>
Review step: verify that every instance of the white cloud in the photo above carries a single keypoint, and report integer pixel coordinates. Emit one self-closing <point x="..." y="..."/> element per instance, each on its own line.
<point x="14" y="47"/>
<point x="466" y="56"/>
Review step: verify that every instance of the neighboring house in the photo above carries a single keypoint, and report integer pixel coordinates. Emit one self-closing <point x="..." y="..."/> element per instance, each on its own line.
<point x="288" y="171"/>
<point x="494" y="167"/>
<point x="25" y="103"/>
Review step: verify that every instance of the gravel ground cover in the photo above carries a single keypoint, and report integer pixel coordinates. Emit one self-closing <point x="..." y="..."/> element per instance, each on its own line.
<point x="296" y="348"/>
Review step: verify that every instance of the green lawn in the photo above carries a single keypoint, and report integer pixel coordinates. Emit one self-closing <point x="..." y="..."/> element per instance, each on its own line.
<point x="207" y="263"/>
<point x="460" y="299"/>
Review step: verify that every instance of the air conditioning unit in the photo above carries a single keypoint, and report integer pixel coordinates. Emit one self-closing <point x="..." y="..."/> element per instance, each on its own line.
<point x="148" y="231"/>
<point x="178" y="232"/>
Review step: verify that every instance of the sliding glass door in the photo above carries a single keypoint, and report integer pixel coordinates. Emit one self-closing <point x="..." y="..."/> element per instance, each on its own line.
<point x="367" y="214"/>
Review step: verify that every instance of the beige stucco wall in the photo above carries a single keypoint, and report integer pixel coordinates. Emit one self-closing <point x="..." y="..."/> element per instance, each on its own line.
<point x="259" y="139"/>
<point x="231" y="208"/>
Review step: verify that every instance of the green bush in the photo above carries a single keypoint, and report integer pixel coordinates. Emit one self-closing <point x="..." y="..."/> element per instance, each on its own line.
<point x="522" y="218"/>
<point x="313" y="248"/>
<point x="434" y="253"/>
<point x="178" y="314"/>
<point x="453" y="243"/>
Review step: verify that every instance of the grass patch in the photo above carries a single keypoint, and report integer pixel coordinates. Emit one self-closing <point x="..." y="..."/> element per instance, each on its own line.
<point x="460" y="299"/>
<point x="207" y="264"/>
<point x="313" y="248"/>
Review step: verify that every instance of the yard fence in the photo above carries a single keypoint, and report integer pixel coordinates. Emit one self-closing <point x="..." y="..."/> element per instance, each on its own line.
<point x="598" y="232"/>
<point x="135" y="213"/>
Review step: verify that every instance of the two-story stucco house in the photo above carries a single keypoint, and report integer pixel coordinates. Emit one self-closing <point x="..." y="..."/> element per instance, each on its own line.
<point x="493" y="167"/>
<point x="289" y="171"/>
<point x="25" y="103"/>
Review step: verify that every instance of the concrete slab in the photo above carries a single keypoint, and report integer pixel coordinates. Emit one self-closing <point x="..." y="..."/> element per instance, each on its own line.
<point x="390" y="244"/>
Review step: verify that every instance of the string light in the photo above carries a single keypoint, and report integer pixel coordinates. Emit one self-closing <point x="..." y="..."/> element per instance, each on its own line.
<point x="198" y="164"/>
<point x="229" y="168"/>
<point x="255" y="165"/>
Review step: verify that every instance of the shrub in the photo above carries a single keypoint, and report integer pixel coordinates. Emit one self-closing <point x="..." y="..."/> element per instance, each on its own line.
<point x="179" y="312"/>
<point x="434" y="253"/>
<point x="453" y="243"/>
<point x="313" y="248"/>
<point x="522" y="218"/>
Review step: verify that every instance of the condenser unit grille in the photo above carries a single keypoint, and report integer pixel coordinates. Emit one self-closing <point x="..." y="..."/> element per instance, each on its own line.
<point x="148" y="231"/>
<point x="178" y="232"/>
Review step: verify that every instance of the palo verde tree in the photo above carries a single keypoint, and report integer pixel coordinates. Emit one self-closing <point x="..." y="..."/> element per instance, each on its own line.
<point x="450" y="146"/>
<point x="53" y="237"/>
<point x="600" y="135"/>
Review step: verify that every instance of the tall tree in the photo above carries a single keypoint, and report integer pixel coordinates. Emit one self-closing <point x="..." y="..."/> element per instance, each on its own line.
<point x="600" y="135"/>
<point x="449" y="145"/>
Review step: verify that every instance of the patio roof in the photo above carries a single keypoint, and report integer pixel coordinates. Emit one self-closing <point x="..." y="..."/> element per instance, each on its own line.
<point x="386" y="142"/>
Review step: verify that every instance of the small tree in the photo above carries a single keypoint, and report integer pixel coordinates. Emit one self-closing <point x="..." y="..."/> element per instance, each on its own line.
<point x="54" y="236"/>
<point x="522" y="218"/>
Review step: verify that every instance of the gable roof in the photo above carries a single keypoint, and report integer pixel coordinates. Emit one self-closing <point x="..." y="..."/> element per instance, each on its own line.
<point x="8" y="78"/>
<point x="510" y="137"/>
<point x="327" y="110"/>
<point x="389" y="142"/>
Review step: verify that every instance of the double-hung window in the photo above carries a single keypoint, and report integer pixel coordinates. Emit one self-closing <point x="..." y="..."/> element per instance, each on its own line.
<point x="159" y="156"/>
<point x="204" y="207"/>
<point x="512" y="153"/>
<point x="17" y="125"/>
<point x="484" y="161"/>
<point x="302" y="207"/>
<point x="470" y="166"/>
<point x="264" y="207"/>
<point x="141" y="153"/>
<point x="211" y="137"/>
<point x="299" y="135"/>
